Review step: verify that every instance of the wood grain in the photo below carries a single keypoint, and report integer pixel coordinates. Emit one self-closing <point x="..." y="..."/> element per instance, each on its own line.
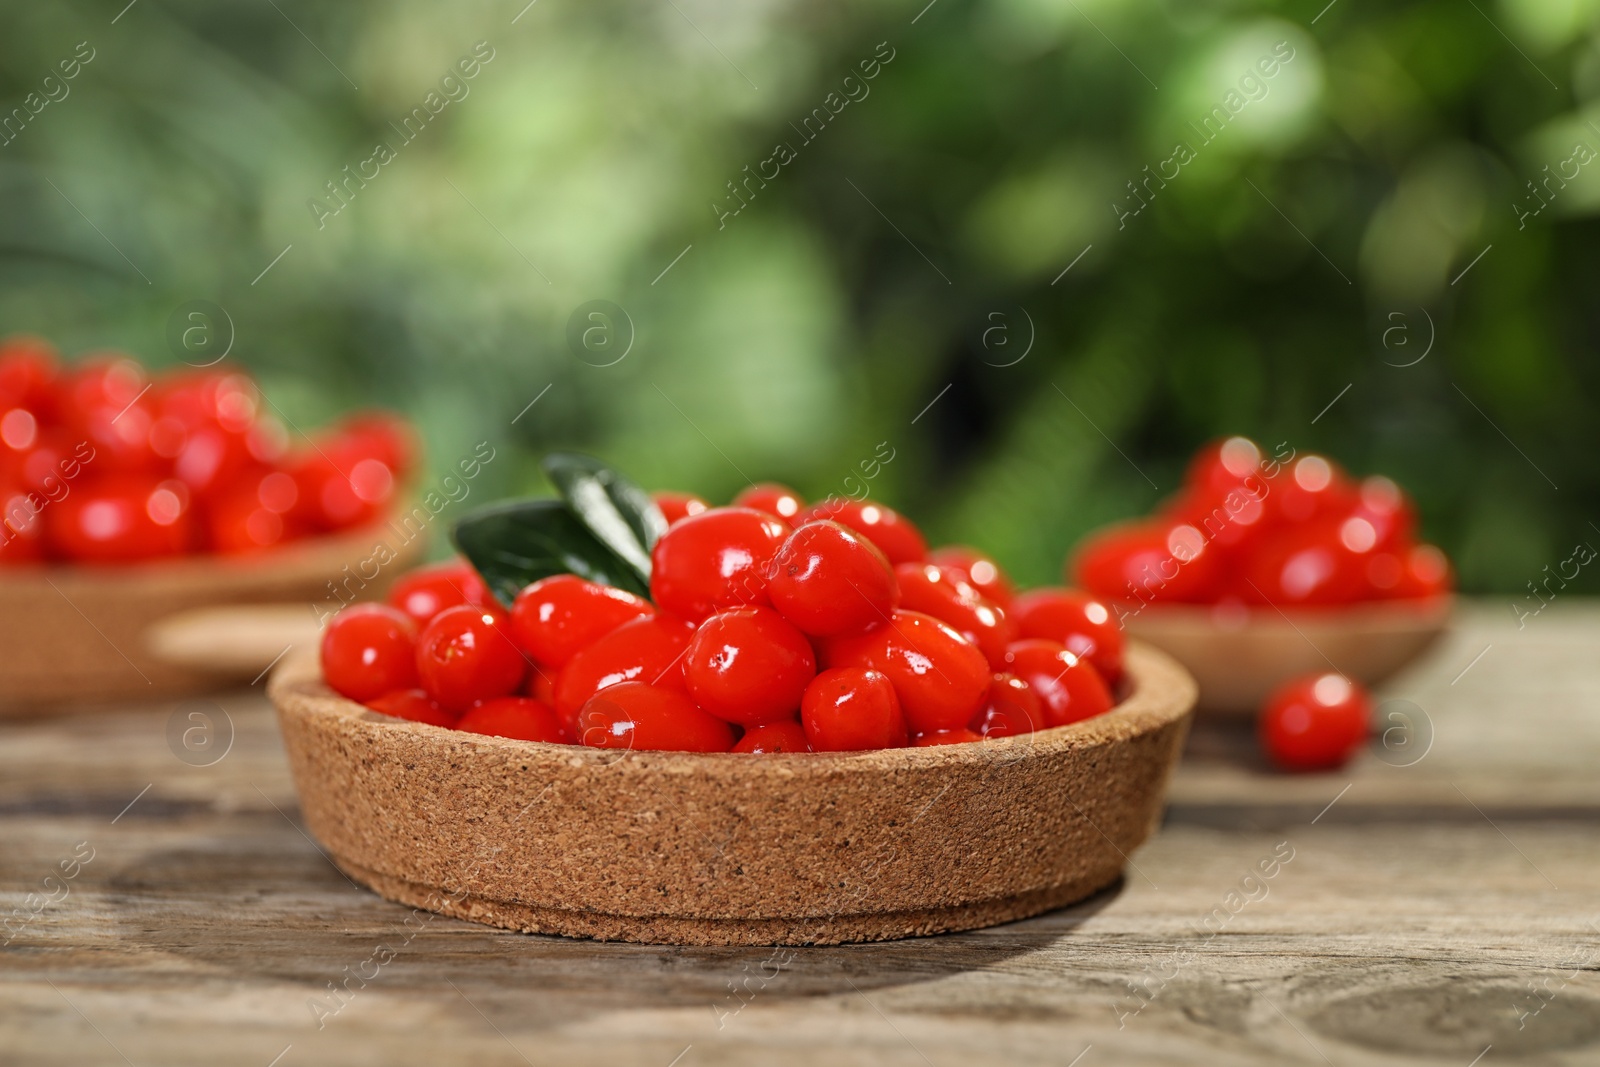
<point x="1432" y="911"/>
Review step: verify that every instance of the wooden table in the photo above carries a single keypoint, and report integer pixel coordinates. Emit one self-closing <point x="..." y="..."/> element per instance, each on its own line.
<point x="1436" y="912"/>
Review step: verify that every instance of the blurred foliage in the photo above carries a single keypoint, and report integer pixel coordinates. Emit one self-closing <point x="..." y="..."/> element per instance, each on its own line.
<point x="927" y="222"/>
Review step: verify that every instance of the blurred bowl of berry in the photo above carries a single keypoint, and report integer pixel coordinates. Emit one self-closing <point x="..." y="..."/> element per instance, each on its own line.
<point x="160" y="533"/>
<point x="1265" y="567"/>
<point x="768" y="722"/>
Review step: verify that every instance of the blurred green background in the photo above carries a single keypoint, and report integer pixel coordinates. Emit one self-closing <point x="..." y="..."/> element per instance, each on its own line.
<point x="917" y="240"/>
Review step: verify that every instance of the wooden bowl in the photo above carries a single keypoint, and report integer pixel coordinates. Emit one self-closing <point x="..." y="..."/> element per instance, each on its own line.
<point x="725" y="849"/>
<point x="153" y="630"/>
<point x="1239" y="656"/>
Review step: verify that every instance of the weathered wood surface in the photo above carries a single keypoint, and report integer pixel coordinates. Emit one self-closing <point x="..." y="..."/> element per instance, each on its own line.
<point x="1433" y="911"/>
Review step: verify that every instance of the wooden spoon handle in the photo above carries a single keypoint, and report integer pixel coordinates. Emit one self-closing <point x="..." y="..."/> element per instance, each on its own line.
<point x="238" y="639"/>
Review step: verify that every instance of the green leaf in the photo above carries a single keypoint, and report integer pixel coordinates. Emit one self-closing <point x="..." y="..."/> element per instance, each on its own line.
<point x="515" y="543"/>
<point x="620" y="514"/>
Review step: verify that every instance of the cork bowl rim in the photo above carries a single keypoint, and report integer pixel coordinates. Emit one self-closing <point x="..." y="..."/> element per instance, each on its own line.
<point x="1159" y="692"/>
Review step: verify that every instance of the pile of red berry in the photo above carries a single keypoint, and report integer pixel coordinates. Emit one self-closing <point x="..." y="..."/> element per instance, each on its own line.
<point x="100" y="463"/>
<point x="1288" y="531"/>
<point x="771" y="627"/>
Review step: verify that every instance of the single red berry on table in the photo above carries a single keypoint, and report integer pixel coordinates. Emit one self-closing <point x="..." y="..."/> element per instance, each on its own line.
<point x="894" y="534"/>
<point x="1070" y="689"/>
<point x="749" y="666"/>
<point x="557" y="617"/>
<point x="940" y="677"/>
<point x="772" y="498"/>
<point x="945" y="594"/>
<point x="649" y="718"/>
<point x="828" y="580"/>
<point x="1012" y="708"/>
<point x="368" y="650"/>
<point x="416" y="705"/>
<point x="959" y="736"/>
<point x="1148" y="561"/>
<point x="520" y="717"/>
<point x="675" y="506"/>
<point x="786" y="735"/>
<point x="721" y="558"/>
<point x="982" y="572"/>
<point x="648" y="650"/>
<point x="424" y="592"/>
<point x="464" y="657"/>
<point x="852" y="709"/>
<point x="1083" y="623"/>
<point x="1314" y="723"/>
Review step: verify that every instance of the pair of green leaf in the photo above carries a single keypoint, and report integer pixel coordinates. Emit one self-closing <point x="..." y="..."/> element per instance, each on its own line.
<point x="602" y="528"/>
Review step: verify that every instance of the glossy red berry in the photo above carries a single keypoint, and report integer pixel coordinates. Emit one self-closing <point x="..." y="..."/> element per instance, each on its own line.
<point x="555" y="618"/>
<point x="852" y="709"/>
<point x="1070" y="689"/>
<point x="1425" y="572"/>
<point x="1149" y="561"/>
<point x="1012" y="708"/>
<point x="981" y="571"/>
<point x="721" y="558"/>
<point x="829" y="580"/>
<point x="21" y="529"/>
<point x="1307" y="566"/>
<point x="1312" y="487"/>
<point x="1314" y="723"/>
<point x="785" y="736"/>
<point x="519" y="717"/>
<point x="428" y="590"/>
<point x="895" y="535"/>
<point x="1384" y="507"/>
<point x="649" y="650"/>
<point x="120" y="520"/>
<point x="1223" y="465"/>
<point x="676" y="506"/>
<point x="30" y="376"/>
<point x="644" y="717"/>
<point x="368" y="651"/>
<point x="940" y="677"/>
<point x="464" y="657"/>
<point x="772" y="498"/>
<point x="959" y="736"/>
<point x="415" y="705"/>
<point x="749" y="666"/>
<point x="381" y="436"/>
<point x="1083" y="623"/>
<point x="945" y="594"/>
